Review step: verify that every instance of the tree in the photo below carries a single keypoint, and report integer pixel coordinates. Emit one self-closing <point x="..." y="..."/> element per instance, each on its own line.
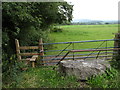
<point x="25" y="20"/>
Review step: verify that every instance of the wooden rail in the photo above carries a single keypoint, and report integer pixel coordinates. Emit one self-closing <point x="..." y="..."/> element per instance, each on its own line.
<point x="28" y="54"/>
<point x="28" y="47"/>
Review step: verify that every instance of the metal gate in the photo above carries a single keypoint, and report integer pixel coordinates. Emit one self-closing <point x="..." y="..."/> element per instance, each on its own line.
<point x="45" y="55"/>
<point x="102" y="50"/>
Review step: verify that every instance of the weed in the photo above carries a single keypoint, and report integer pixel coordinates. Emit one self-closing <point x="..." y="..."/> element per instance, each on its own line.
<point x="110" y="79"/>
<point x="44" y="77"/>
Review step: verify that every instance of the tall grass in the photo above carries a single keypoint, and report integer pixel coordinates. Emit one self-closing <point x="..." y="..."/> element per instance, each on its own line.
<point x="110" y="79"/>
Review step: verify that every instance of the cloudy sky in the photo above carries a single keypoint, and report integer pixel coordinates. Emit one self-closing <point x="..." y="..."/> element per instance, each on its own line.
<point x="95" y="9"/>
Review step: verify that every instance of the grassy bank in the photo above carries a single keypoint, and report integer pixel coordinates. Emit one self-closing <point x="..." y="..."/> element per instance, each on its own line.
<point x="42" y="77"/>
<point x="46" y="77"/>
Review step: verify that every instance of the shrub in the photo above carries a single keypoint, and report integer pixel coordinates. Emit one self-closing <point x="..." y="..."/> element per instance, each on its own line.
<point x="10" y="69"/>
<point x="56" y="29"/>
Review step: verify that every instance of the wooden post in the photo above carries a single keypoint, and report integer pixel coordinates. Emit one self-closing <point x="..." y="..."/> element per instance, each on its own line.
<point x="33" y="59"/>
<point x="17" y="49"/>
<point x="41" y="50"/>
<point x="117" y="44"/>
<point x="33" y="64"/>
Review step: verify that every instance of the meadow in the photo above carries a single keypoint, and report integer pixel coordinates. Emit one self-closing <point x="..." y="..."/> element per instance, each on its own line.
<point x="71" y="33"/>
<point x="84" y="32"/>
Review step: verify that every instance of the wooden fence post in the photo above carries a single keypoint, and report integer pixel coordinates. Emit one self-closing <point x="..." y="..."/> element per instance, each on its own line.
<point x="33" y="64"/>
<point x="41" y="50"/>
<point x="17" y="49"/>
<point x="117" y="44"/>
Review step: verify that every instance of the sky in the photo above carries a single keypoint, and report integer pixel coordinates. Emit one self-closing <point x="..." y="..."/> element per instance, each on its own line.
<point x="95" y="9"/>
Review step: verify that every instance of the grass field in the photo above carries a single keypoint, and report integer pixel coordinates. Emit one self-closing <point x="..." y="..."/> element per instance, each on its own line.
<point x="83" y="32"/>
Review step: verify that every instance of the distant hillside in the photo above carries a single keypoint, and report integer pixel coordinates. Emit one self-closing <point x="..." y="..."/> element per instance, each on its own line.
<point x="94" y="22"/>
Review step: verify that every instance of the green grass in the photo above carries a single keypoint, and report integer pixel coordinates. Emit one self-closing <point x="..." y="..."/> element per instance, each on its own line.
<point x="110" y="79"/>
<point x="43" y="77"/>
<point x="83" y="32"/>
<point x="46" y="77"/>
